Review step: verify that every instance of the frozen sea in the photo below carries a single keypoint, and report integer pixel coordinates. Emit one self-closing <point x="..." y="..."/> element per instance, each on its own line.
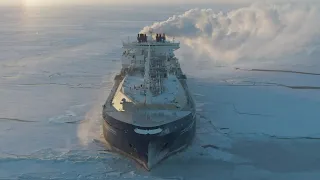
<point x="56" y="69"/>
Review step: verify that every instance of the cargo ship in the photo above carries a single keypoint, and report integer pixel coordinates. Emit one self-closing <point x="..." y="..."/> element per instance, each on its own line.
<point x="149" y="114"/>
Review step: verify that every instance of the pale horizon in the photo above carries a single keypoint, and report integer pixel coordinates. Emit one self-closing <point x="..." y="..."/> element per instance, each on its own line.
<point x="123" y="2"/>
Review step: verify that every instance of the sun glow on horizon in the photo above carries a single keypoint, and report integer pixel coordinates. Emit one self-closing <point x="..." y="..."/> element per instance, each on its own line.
<point x="31" y="2"/>
<point x="35" y="2"/>
<point x="50" y="2"/>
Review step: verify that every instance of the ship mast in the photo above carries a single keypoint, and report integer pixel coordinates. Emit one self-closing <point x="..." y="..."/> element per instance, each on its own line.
<point x="147" y="77"/>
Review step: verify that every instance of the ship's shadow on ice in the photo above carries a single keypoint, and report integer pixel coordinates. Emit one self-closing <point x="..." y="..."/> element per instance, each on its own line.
<point x="269" y="157"/>
<point x="217" y="151"/>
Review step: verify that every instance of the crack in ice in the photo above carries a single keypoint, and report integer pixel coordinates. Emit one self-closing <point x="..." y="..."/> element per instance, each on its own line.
<point x="277" y="70"/>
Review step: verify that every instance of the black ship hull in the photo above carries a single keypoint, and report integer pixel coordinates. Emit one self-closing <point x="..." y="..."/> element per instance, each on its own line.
<point x="149" y="149"/>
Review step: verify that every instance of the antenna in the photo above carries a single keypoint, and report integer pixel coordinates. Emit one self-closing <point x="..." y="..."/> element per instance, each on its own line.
<point x="150" y="30"/>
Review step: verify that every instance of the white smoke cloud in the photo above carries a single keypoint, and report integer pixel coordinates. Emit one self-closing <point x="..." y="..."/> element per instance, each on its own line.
<point x="259" y="31"/>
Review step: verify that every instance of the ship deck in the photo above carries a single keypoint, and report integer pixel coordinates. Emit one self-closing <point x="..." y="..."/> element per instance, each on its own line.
<point x="132" y="87"/>
<point x="144" y="116"/>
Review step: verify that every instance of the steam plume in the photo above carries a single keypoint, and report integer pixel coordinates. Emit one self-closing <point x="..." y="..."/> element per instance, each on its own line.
<point x="260" y="30"/>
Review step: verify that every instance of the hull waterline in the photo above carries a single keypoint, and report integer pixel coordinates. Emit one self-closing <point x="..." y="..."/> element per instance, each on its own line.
<point x="149" y="149"/>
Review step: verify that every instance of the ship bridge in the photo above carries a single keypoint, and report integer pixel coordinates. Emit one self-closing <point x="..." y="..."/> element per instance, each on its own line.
<point x="159" y="42"/>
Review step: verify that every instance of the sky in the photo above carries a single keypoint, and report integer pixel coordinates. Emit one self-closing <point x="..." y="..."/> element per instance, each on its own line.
<point x="81" y="2"/>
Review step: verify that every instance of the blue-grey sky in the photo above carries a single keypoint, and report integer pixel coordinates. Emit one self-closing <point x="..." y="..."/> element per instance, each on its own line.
<point x="59" y="2"/>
